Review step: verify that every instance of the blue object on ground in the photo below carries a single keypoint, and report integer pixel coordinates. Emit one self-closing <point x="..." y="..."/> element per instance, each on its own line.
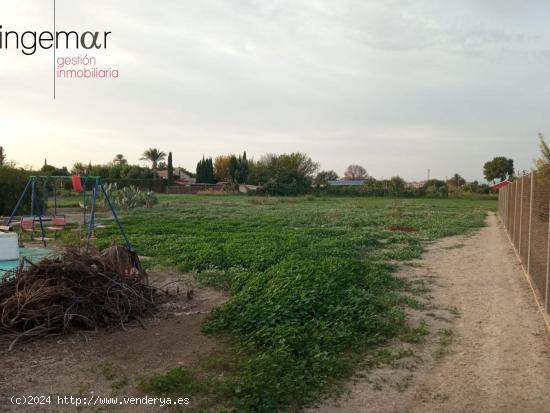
<point x="33" y="254"/>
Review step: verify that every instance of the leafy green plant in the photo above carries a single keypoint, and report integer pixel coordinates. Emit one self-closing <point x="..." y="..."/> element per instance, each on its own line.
<point x="128" y="197"/>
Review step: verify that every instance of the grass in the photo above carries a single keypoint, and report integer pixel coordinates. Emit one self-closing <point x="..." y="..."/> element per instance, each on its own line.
<point x="69" y="199"/>
<point x="112" y="374"/>
<point x="446" y="337"/>
<point x="416" y="334"/>
<point x="311" y="281"/>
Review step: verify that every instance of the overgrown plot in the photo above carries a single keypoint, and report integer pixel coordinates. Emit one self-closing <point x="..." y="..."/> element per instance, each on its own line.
<point x="311" y="281"/>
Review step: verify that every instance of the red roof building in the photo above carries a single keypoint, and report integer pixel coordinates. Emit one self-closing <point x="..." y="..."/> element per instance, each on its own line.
<point x="501" y="185"/>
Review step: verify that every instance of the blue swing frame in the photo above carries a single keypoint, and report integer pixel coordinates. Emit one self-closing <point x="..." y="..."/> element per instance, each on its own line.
<point x="90" y="225"/>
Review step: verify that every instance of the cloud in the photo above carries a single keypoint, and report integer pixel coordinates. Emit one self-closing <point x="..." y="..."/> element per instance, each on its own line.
<point x="397" y="85"/>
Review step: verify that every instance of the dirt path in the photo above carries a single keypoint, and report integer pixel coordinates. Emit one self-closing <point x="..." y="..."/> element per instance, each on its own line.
<point x="499" y="357"/>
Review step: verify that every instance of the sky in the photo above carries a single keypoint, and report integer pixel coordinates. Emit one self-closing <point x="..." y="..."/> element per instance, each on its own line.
<point x="397" y="86"/>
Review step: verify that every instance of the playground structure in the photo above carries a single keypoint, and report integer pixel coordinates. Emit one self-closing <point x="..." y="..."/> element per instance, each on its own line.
<point x="45" y="292"/>
<point x="57" y="222"/>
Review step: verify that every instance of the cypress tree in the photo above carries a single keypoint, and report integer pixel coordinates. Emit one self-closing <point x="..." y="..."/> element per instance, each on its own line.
<point x="170" y="170"/>
<point x="233" y="166"/>
<point x="199" y="171"/>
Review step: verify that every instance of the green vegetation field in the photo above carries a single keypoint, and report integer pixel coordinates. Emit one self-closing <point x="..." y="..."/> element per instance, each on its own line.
<point x="310" y="279"/>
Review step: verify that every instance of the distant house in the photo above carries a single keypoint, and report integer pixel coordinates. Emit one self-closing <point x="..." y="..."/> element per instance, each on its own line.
<point x="415" y="184"/>
<point x="244" y="188"/>
<point x="347" y="182"/>
<point x="501" y="185"/>
<point x="180" y="176"/>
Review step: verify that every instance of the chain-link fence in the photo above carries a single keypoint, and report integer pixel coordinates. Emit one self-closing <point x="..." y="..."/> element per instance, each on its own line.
<point x="524" y="209"/>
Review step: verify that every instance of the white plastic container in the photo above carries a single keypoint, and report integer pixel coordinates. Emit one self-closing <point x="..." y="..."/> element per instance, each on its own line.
<point x="9" y="247"/>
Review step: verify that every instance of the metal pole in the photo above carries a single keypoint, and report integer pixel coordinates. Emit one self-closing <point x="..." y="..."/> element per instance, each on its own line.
<point x="20" y="200"/>
<point x="120" y="227"/>
<point x="42" y="230"/>
<point x="84" y="204"/>
<point x="530" y="223"/>
<point x="32" y="199"/>
<point x="520" y="216"/>
<point x="547" y="261"/>
<point x="92" y="217"/>
<point x="33" y="186"/>
<point x="54" y="199"/>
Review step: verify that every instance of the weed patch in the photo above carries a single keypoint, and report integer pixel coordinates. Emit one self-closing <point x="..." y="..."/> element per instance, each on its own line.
<point x="311" y="280"/>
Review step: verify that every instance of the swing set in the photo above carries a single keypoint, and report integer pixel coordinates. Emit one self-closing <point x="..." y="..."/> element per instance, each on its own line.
<point x="58" y="221"/>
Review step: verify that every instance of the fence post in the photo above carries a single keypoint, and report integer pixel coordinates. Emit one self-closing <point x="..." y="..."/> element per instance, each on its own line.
<point x="547" y="261"/>
<point x="500" y="192"/>
<point x="530" y="223"/>
<point x="505" y="197"/>
<point x="499" y="204"/>
<point x="508" y="216"/>
<point x="515" y="194"/>
<point x="520" y="215"/>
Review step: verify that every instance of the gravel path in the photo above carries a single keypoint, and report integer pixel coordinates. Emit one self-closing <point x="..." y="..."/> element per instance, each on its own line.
<point x="499" y="358"/>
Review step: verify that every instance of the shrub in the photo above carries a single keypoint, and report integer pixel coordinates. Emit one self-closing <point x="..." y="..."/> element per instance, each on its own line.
<point x="128" y="197"/>
<point x="435" y="188"/>
<point x="12" y="183"/>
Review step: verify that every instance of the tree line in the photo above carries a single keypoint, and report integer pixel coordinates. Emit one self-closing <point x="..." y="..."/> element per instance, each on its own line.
<point x="278" y="174"/>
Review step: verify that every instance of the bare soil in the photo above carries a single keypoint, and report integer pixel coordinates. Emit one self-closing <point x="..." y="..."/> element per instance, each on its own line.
<point x="488" y="348"/>
<point x="111" y="362"/>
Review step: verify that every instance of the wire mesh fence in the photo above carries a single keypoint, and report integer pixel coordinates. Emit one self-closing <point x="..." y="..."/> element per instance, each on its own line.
<point x="524" y="209"/>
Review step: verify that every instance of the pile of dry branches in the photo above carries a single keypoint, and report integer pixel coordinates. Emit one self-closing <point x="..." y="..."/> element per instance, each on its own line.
<point x="73" y="292"/>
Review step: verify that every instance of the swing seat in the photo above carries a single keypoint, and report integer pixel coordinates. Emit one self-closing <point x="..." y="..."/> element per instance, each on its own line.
<point x="27" y="224"/>
<point x="58" y="223"/>
<point x="4" y="227"/>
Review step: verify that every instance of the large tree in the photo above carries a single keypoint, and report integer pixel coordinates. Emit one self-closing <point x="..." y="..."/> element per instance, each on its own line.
<point x="323" y="177"/>
<point x="221" y="168"/>
<point x="456" y="181"/>
<point x="355" y="172"/>
<point x="286" y="174"/>
<point x="499" y="168"/>
<point x="239" y="169"/>
<point x="205" y="171"/>
<point x="154" y="156"/>
<point x="79" y="169"/>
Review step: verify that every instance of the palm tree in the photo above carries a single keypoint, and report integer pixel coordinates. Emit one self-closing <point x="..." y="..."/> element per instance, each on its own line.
<point x="153" y="155"/>
<point x="120" y="159"/>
